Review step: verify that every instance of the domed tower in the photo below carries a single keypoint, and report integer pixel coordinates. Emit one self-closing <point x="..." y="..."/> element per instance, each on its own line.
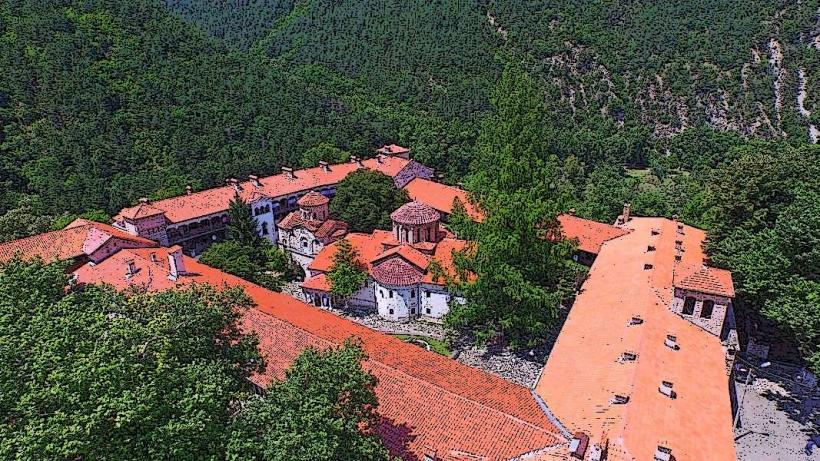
<point x="416" y="222"/>
<point x="314" y="206"/>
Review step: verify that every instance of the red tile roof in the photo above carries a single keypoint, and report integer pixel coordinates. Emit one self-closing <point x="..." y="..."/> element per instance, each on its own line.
<point x="396" y="271"/>
<point x="313" y="198"/>
<point x="415" y="213"/>
<point x="590" y="234"/>
<point x="584" y="371"/>
<point x="331" y="228"/>
<point x="407" y="252"/>
<point x="393" y="149"/>
<point x="80" y="238"/>
<point x="441" y="197"/>
<point x="216" y="200"/>
<point x="142" y="210"/>
<point x="708" y="280"/>
<point x="320" y="229"/>
<point x="317" y="282"/>
<point x="380" y="247"/>
<point x="427" y="402"/>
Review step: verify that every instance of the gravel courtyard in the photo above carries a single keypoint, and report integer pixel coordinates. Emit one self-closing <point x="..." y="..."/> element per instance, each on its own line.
<point x="776" y="422"/>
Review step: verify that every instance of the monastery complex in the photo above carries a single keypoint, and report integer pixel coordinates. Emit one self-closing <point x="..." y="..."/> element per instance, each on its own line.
<point x="641" y="369"/>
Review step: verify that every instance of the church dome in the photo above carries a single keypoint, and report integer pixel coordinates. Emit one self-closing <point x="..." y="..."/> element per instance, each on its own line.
<point x="313" y="198"/>
<point x="415" y="213"/>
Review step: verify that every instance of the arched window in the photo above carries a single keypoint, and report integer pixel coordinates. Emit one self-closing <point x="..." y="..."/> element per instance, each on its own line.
<point x="264" y="228"/>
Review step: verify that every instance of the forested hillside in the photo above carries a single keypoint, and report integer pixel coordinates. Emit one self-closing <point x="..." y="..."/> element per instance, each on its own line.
<point x="105" y="101"/>
<point x="654" y="103"/>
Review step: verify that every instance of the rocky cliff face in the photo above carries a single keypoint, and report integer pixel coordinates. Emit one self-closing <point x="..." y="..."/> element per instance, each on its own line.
<point x="769" y="89"/>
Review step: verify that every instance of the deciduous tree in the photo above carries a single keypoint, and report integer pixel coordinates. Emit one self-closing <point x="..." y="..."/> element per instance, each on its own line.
<point x="323" y="410"/>
<point x="365" y="199"/>
<point x="346" y="274"/>
<point x="95" y="374"/>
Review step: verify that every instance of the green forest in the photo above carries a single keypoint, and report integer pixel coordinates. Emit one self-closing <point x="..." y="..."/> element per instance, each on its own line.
<point x="703" y="110"/>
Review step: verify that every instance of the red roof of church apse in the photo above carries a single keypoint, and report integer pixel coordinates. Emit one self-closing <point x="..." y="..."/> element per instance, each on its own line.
<point x="313" y="198"/>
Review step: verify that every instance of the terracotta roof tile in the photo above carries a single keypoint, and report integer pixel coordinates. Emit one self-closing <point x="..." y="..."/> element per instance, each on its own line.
<point x="590" y="234"/>
<point x="141" y="210"/>
<point x="441" y="197"/>
<point x="378" y="248"/>
<point x="415" y="213"/>
<point x="393" y="149"/>
<point x="584" y="373"/>
<point x="708" y="280"/>
<point x="426" y="401"/>
<point x="317" y="282"/>
<point x="396" y="271"/>
<point x="313" y="198"/>
<point x="81" y="237"/>
<point x="216" y="200"/>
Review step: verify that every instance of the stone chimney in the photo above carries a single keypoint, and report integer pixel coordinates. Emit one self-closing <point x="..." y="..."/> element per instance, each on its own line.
<point x="324" y="166"/>
<point x="627" y="212"/>
<point x="288" y="172"/>
<point x="354" y="159"/>
<point x="189" y="190"/>
<point x="254" y="180"/>
<point x="233" y="182"/>
<point x="380" y="158"/>
<point x="144" y="200"/>
<point x="571" y="212"/>
<point x="176" y="263"/>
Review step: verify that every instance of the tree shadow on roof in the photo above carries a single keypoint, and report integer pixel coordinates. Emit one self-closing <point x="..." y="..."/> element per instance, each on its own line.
<point x="397" y="438"/>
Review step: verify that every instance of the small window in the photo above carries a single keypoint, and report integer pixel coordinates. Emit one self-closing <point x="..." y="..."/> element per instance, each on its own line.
<point x="428" y="310"/>
<point x="678" y="257"/>
<point x="427" y="294"/>
<point x="381" y="292"/>
<point x="413" y="311"/>
<point x="647" y="267"/>
<point x="412" y="293"/>
<point x="706" y="309"/>
<point x="391" y="311"/>
<point x="636" y="320"/>
<point x="671" y="342"/>
<point x="390" y="293"/>
<point x="688" y="306"/>
<point x="650" y="248"/>
<point x="655" y="232"/>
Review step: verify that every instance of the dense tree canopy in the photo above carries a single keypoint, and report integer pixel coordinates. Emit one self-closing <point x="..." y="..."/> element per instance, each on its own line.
<point x="347" y="274"/>
<point x="94" y="374"/>
<point x="323" y="410"/>
<point x="766" y="228"/>
<point x="365" y="199"/>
